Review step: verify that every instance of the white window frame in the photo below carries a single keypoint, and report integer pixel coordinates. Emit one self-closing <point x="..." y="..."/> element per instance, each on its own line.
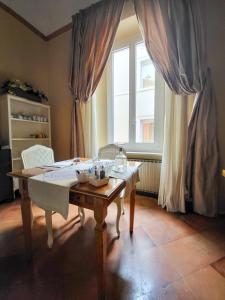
<point x="132" y="146"/>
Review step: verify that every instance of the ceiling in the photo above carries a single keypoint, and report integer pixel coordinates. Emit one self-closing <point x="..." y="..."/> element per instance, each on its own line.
<point x="47" y="15"/>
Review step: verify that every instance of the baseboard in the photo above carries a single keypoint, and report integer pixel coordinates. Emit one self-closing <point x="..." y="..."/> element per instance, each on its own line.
<point x="148" y="194"/>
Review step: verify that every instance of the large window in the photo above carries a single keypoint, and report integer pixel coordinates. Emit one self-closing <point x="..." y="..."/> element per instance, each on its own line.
<point x="136" y="99"/>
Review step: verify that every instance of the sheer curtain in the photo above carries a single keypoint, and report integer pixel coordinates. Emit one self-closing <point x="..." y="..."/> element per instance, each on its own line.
<point x="95" y="119"/>
<point x="178" y="110"/>
<point x="175" y="40"/>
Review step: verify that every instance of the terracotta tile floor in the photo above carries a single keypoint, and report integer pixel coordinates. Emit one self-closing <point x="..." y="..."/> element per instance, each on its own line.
<point x="170" y="256"/>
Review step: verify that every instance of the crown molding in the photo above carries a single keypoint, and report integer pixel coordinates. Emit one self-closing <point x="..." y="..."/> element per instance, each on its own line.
<point x="22" y="20"/>
<point x="59" y="31"/>
<point x="46" y="38"/>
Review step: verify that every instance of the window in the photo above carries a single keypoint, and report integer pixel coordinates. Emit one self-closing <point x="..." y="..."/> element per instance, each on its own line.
<point x="121" y="95"/>
<point x="136" y="99"/>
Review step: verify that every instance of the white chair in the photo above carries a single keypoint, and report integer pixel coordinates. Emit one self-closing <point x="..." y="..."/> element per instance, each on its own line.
<point x="109" y="152"/>
<point x="37" y="156"/>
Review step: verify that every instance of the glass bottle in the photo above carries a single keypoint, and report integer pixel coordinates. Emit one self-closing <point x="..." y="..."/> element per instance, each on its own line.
<point x="121" y="161"/>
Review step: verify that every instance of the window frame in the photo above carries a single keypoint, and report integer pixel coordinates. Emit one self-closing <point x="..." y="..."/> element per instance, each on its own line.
<point x="133" y="146"/>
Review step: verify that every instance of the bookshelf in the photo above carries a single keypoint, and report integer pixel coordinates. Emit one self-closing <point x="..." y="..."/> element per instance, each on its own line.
<point x="23" y="123"/>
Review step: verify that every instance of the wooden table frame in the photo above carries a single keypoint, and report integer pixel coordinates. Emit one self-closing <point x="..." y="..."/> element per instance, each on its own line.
<point x="83" y="195"/>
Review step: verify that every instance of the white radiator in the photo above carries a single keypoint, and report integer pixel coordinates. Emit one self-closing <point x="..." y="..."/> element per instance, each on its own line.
<point x="149" y="175"/>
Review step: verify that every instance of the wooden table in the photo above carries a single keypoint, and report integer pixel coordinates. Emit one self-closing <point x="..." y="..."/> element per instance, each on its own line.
<point x="86" y="196"/>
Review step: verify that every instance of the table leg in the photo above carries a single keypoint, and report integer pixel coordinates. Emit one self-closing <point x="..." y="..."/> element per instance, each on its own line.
<point x="132" y="208"/>
<point x="100" y="212"/>
<point x="27" y="218"/>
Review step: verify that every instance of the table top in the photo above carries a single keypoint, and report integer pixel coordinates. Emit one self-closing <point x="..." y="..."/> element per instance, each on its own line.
<point x="27" y="173"/>
<point x="106" y="191"/>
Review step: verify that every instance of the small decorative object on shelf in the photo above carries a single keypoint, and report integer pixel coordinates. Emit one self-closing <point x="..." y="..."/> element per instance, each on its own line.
<point x="36" y="118"/>
<point x="22" y="89"/>
<point x="39" y="136"/>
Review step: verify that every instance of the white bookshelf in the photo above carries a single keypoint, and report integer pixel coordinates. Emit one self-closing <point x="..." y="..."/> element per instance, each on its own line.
<point x="17" y="133"/>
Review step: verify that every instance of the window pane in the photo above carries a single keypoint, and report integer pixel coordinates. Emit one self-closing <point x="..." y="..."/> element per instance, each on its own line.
<point x="121" y="95"/>
<point x="145" y="96"/>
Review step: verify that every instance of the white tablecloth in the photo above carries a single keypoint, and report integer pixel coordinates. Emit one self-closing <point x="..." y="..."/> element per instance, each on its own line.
<point x="131" y="176"/>
<point x="50" y="191"/>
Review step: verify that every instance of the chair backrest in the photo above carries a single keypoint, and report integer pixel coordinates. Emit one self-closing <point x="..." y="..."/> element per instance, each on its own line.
<point x="109" y="151"/>
<point x="37" y="156"/>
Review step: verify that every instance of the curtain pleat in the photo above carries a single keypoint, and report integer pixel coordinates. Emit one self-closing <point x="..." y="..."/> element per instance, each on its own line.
<point x="202" y="171"/>
<point x="177" y="115"/>
<point x="77" y="134"/>
<point x="93" y="34"/>
<point x="175" y="40"/>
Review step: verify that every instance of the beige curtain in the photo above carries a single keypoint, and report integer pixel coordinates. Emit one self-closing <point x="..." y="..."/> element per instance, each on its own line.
<point x="93" y="34"/>
<point x="178" y="109"/>
<point x="174" y="37"/>
<point x="95" y="120"/>
<point x="77" y="132"/>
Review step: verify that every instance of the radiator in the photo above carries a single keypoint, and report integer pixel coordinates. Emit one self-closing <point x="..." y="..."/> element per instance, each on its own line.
<point x="149" y="175"/>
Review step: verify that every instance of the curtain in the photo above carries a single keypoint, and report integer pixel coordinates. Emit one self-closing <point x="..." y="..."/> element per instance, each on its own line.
<point x="95" y="116"/>
<point x="174" y="37"/>
<point x="90" y="128"/>
<point x="77" y="132"/>
<point x="93" y="33"/>
<point x="178" y="109"/>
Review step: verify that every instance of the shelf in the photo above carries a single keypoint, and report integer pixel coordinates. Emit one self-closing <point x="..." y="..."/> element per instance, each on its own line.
<point x="29" y="139"/>
<point x="29" y="102"/>
<point x="29" y="121"/>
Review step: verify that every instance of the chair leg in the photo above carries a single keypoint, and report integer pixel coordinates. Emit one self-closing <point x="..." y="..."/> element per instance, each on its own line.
<point x="82" y="215"/>
<point x="122" y="206"/>
<point x="119" y="205"/>
<point x="32" y="216"/>
<point x="48" y="219"/>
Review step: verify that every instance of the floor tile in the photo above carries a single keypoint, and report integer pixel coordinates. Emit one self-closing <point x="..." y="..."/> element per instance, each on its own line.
<point x="198" y="222"/>
<point x="175" y="291"/>
<point x="163" y="232"/>
<point x="206" y="284"/>
<point x="219" y="266"/>
<point x="192" y="253"/>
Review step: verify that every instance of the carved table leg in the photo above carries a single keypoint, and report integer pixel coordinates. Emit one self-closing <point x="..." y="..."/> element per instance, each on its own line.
<point x="132" y="208"/>
<point x="27" y="217"/>
<point x="118" y="202"/>
<point x="100" y="212"/>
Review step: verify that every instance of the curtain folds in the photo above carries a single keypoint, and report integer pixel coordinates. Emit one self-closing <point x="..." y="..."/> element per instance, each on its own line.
<point x="77" y="134"/>
<point x="178" y="109"/>
<point x="202" y="154"/>
<point x="93" y="33"/>
<point x="174" y="37"/>
<point x="90" y="128"/>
